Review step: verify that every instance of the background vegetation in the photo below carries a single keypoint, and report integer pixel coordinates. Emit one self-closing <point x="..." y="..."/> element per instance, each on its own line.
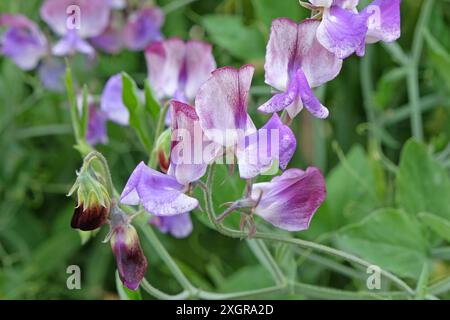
<point x="388" y="194"/>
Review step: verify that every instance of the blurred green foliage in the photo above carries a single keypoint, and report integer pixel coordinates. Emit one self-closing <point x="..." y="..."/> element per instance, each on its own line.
<point x="388" y="199"/>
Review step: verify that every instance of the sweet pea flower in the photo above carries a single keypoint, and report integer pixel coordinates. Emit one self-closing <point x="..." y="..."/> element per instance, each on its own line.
<point x="295" y="63"/>
<point x="179" y="226"/>
<point x="130" y="258"/>
<point x="142" y="28"/>
<point x="344" y="31"/>
<point x="289" y="201"/>
<point x="23" y="41"/>
<point x="75" y="21"/>
<point x="109" y="41"/>
<point x="221" y="106"/>
<point x="176" y="69"/>
<point x="111" y="101"/>
<point x="96" y="128"/>
<point x="159" y="193"/>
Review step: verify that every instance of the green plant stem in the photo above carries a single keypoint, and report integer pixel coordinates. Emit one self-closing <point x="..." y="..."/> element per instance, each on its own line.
<point x="294" y="241"/>
<point x="162" y="295"/>
<point x="159" y="129"/>
<point x="95" y="155"/>
<point x="261" y="251"/>
<point x="440" y="287"/>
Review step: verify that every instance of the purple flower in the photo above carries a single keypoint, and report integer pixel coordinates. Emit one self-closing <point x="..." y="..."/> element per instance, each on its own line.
<point x="191" y="152"/>
<point x="344" y="31"/>
<point x="130" y="259"/>
<point x="96" y="129"/>
<point x="142" y="28"/>
<point x="289" y="201"/>
<point x="74" y="21"/>
<point x="117" y="4"/>
<point x="159" y="193"/>
<point x="51" y="72"/>
<point x="295" y="63"/>
<point x="176" y="69"/>
<point x="179" y="226"/>
<point x="23" y="41"/>
<point x="111" y="101"/>
<point x="109" y="41"/>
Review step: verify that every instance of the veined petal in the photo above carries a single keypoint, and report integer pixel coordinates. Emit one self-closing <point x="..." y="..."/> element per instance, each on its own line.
<point x="341" y="31"/>
<point x="221" y="104"/>
<point x="179" y="226"/>
<point x="143" y="27"/>
<point x="23" y="41"/>
<point x="346" y="4"/>
<point x="384" y="21"/>
<point x="290" y="200"/>
<point x="309" y="100"/>
<point x="93" y="16"/>
<point x="111" y="101"/>
<point x="186" y="158"/>
<point x="165" y="60"/>
<point x="199" y="65"/>
<point x="160" y="194"/>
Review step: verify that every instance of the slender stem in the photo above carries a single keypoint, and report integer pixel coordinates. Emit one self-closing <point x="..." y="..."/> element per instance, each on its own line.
<point x="418" y="40"/>
<point x="414" y="102"/>
<point x="162" y="295"/>
<point x="294" y="241"/>
<point x="240" y="295"/>
<point x="440" y="287"/>
<point x="165" y="256"/>
<point x="261" y="251"/>
<point x="422" y="284"/>
<point x="159" y="129"/>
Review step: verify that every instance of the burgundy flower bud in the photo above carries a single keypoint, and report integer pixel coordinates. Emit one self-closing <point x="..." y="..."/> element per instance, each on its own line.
<point x="130" y="258"/>
<point x="93" y="203"/>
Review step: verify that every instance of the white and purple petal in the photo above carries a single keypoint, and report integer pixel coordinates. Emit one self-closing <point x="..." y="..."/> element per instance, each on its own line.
<point x="179" y="226"/>
<point x="384" y="21"/>
<point x="289" y="201"/>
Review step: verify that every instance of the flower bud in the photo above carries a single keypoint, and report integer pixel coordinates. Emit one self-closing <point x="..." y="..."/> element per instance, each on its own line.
<point x="130" y="258"/>
<point x="163" y="145"/>
<point x="93" y="202"/>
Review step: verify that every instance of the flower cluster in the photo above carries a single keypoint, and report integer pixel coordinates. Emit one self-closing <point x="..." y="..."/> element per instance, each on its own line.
<point x="209" y="119"/>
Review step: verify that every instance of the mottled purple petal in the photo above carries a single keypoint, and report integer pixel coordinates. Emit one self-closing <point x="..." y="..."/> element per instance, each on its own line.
<point x="23" y="42"/>
<point x="199" y="65"/>
<point x="179" y="226"/>
<point x="111" y="101"/>
<point x="110" y="41"/>
<point x="130" y="259"/>
<point x="165" y="60"/>
<point x="94" y="16"/>
<point x="290" y="200"/>
<point x="384" y="21"/>
<point x="159" y="193"/>
<point x="342" y="31"/>
<point x="72" y="43"/>
<point x="309" y="100"/>
<point x="142" y="28"/>
<point x="186" y="158"/>
<point x="221" y="104"/>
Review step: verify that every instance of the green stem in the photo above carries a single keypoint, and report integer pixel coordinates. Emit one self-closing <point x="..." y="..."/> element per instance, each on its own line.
<point x="441" y="287"/>
<point x="294" y="241"/>
<point x="414" y="102"/>
<point x="162" y="295"/>
<point x="261" y="251"/>
<point x="166" y="257"/>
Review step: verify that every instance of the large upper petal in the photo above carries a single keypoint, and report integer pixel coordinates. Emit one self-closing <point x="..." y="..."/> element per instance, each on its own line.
<point x="342" y="31"/>
<point x="94" y="16"/>
<point x="111" y="101"/>
<point x="221" y="104"/>
<point x="199" y="65"/>
<point x="289" y="201"/>
<point x="143" y="27"/>
<point x="165" y="60"/>
<point x="384" y="21"/>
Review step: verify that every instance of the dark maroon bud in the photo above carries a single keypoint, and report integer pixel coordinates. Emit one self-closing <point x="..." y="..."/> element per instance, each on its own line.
<point x="88" y="219"/>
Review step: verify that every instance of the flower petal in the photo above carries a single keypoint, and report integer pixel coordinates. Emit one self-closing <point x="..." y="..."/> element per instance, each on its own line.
<point x="341" y="31"/>
<point x="290" y="200"/>
<point x="110" y="41"/>
<point x="321" y="3"/>
<point x="384" y="21"/>
<point x="199" y="65"/>
<point x="94" y="15"/>
<point x="111" y="101"/>
<point x="221" y="104"/>
<point x="142" y="28"/>
<point x="96" y="129"/>
<point x="164" y="63"/>
<point x="309" y="100"/>
<point x="72" y="43"/>
<point x="179" y="226"/>
<point x="51" y="72"/>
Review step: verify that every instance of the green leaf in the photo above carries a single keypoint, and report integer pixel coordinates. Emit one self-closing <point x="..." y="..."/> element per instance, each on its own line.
<point x="439" y="225"/>
<point x="241" y="41"/>
<point x="388" y="238"/>
<point x="138" y="116"/>
<point x="423" y="185"/>
<point x="267" y="10"/>
<point x="151" y="103"/>
<point x="125" y="293"/>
